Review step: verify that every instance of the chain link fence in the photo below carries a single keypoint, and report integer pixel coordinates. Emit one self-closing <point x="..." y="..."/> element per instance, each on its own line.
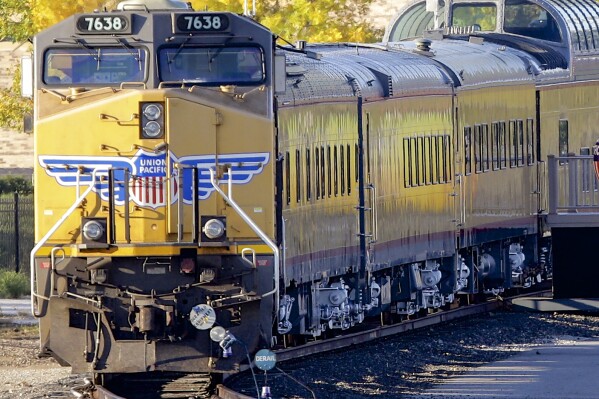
<point x="16" y="232"/>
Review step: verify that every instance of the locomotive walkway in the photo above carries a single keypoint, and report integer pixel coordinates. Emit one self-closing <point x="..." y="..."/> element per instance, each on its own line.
<point x="565" y="371"/>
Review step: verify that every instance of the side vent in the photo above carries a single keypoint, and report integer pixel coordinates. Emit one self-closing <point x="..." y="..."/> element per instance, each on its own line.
<point x="354" y="85"/>
<point x="385" y="81"/>
<point x="462" y="30"/>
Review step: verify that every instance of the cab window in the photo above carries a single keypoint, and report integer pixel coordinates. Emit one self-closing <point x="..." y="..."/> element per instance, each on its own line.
<point x="212" y="65"/>
<point x="94" y="66"/>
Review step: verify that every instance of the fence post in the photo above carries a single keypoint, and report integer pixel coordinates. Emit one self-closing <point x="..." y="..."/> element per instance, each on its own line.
<point x="552" y="182"/>
<point x="17" y="255"/>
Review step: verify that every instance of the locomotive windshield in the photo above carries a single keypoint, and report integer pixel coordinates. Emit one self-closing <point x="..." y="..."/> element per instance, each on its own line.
<point x="94" y="65"/>
<point x="212" y="65"/>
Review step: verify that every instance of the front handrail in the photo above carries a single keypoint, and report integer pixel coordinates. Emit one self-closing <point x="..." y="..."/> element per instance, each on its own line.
<point x="78" y="200"/>
<point x="180" y="168"/>
<point x="253" y="226"/>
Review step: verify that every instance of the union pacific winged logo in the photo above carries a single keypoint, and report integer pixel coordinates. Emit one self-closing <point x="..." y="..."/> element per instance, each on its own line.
<point x="147" y="171"/>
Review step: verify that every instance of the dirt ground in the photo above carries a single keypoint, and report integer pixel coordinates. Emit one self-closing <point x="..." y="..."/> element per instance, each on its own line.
<point x="23" y="374"/>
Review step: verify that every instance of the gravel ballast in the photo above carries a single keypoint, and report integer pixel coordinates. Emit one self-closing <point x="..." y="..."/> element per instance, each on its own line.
<point x="397" y="367"/>
<point x="404" y="365"/>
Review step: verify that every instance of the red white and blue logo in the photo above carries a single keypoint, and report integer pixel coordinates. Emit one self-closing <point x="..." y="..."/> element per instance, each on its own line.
<point x="147" y="171"/>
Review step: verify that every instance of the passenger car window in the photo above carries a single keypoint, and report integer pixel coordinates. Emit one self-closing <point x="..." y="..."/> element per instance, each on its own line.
<point x="528" y="19"/>
<point x="481" y="15"/>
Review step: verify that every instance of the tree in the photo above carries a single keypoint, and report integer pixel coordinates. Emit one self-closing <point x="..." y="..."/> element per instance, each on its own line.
<point x="46" y="13"/>
<point x="310" y="20"/>
<point x="15" y="184"/>
<point x="19" y="21"/>
<point x="16" y="24"/>
<point x="12" y="105"/>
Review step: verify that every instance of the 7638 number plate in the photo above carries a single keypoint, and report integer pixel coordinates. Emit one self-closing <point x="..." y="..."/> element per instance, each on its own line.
<point x="103" y="24"/>
<point x="202" y="22"/>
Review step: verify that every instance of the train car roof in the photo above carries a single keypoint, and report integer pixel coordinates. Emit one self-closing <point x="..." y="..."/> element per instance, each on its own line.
<point x="331" y="72"/>
<point x="574" y="44"/>
<point x="480" y="63"/>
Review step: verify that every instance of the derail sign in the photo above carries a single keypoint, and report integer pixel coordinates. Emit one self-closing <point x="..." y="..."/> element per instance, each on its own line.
<point x="265" y="359"/>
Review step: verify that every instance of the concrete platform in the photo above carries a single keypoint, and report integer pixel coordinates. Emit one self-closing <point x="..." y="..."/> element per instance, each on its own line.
<point x="540" y="304"/>
<point x="569" y="370"/>
<point x="16" y="311"/>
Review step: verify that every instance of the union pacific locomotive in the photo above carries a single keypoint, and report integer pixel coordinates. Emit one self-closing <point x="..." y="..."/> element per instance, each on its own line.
<point x="201" y="191"/>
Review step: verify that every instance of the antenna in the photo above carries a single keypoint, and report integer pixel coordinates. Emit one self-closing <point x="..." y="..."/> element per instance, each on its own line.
<point x="433" y="6"/>
<point x="246" y="11"/>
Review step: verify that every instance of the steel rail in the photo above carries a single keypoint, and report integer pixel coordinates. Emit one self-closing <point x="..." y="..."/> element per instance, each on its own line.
<point x="365" y="336"/>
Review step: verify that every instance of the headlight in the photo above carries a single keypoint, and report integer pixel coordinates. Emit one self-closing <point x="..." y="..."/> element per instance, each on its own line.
<point x="152" y="111"/>
<point x="93" y="230"/>
<point x="214" y="229"/>
<point x="152" y="129"/>
<point x="151" y="120"/>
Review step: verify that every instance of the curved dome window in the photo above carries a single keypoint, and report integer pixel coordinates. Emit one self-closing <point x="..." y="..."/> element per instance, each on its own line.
<point x="528" y="19"/>
<point x="414" y="20"/>
<point x="483" y="16"/>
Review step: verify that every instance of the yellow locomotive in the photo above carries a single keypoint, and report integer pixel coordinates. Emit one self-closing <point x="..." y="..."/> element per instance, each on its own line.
<point x="155" y="188"/>
<point x="197" y="185"/>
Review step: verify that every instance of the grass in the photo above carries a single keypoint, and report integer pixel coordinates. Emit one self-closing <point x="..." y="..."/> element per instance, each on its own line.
<point x="13" y="285"/>
<point x="18" y="331"/>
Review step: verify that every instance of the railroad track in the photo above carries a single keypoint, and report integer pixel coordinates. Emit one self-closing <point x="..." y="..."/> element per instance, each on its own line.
<point x="320" y="346"/>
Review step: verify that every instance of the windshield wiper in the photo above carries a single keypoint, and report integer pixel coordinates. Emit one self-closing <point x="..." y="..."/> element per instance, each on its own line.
<point x="219" y="50"/>
<point x="183" y="43"/>
<point x="131" y="50"/>
<point x="90" y="50"/>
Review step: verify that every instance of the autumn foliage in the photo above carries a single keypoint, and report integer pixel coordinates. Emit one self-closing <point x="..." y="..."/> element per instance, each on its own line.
<point x="291" y="20"/>
<point x="310" y="20"/>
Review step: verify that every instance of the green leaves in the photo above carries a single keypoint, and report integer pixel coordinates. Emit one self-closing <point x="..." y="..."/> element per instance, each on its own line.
<point x="13" y="285"/>
<point x="310" y="20"/>
<point x="13" y="107"/>
<point x="16" y="22"/>
<point x="15" y="184"/>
